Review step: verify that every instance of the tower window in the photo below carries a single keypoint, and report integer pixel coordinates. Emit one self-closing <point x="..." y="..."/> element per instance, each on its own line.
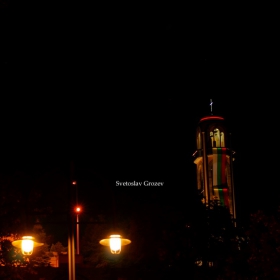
<point x="217" y="138"/>
<point x="198" y="141"/>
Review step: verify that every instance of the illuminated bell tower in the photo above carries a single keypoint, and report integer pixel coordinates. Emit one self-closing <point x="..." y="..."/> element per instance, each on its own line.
<point x="213" y="159"/>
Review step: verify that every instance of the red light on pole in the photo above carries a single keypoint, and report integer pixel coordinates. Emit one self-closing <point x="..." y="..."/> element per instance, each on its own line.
<point x="78" y="209"/>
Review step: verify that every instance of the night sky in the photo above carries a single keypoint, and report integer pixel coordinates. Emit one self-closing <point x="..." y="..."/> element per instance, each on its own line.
<point x="120" y="91"/>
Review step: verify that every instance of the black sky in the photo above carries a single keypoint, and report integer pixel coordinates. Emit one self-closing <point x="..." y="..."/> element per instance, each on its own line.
<point x="121" y="90"/>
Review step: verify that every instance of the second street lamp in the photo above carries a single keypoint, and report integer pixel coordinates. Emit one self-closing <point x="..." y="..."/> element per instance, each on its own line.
<point x="115" y="241"/>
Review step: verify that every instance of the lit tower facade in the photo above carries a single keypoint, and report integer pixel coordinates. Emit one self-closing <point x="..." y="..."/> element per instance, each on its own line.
<point x="214" y="162"/>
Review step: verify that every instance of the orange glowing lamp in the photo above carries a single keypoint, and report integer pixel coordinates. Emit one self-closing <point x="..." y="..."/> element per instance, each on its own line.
<point x="115" y="242"/>
<point x="26" y="244"/>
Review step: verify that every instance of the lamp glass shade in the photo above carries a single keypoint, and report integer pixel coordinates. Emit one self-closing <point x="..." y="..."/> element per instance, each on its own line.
<point x="115" y="244"/>
<point x="27" y="245"/>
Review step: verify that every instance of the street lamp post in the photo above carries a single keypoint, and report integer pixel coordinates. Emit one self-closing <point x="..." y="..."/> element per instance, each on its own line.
<point x="78" y="210"/>
<point x="115" y="241"/>
<point x="71" y="234"/>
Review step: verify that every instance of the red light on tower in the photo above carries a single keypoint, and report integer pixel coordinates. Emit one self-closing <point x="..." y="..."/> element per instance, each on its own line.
<point x="74" y="183"/>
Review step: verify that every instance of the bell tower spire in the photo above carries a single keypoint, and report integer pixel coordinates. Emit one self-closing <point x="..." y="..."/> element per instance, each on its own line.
<point x="214" y="162"/>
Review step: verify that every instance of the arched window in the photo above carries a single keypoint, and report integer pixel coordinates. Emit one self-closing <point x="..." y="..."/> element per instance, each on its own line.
<point x="198" y="140"/>
<point x="217" y="138"/>
<point x="222" y="139"/>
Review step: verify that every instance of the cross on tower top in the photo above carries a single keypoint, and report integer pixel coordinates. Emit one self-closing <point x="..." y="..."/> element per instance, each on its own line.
<point x="211" y="106"/>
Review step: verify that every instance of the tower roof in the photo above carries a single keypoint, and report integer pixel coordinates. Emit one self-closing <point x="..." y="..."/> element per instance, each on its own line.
<point x="211" y="118"/>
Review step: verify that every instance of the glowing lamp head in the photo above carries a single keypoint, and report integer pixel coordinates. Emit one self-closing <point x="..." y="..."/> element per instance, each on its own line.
<point x="78" y="209"/>
<point x="26" y="244"/>
<point x="115" y="242"/>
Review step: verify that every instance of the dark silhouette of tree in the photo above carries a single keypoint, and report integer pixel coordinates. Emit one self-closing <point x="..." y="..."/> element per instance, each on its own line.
<point x="58" y="248"/>
<point x="264" y="245"/>
<point x="217" y="245"/>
